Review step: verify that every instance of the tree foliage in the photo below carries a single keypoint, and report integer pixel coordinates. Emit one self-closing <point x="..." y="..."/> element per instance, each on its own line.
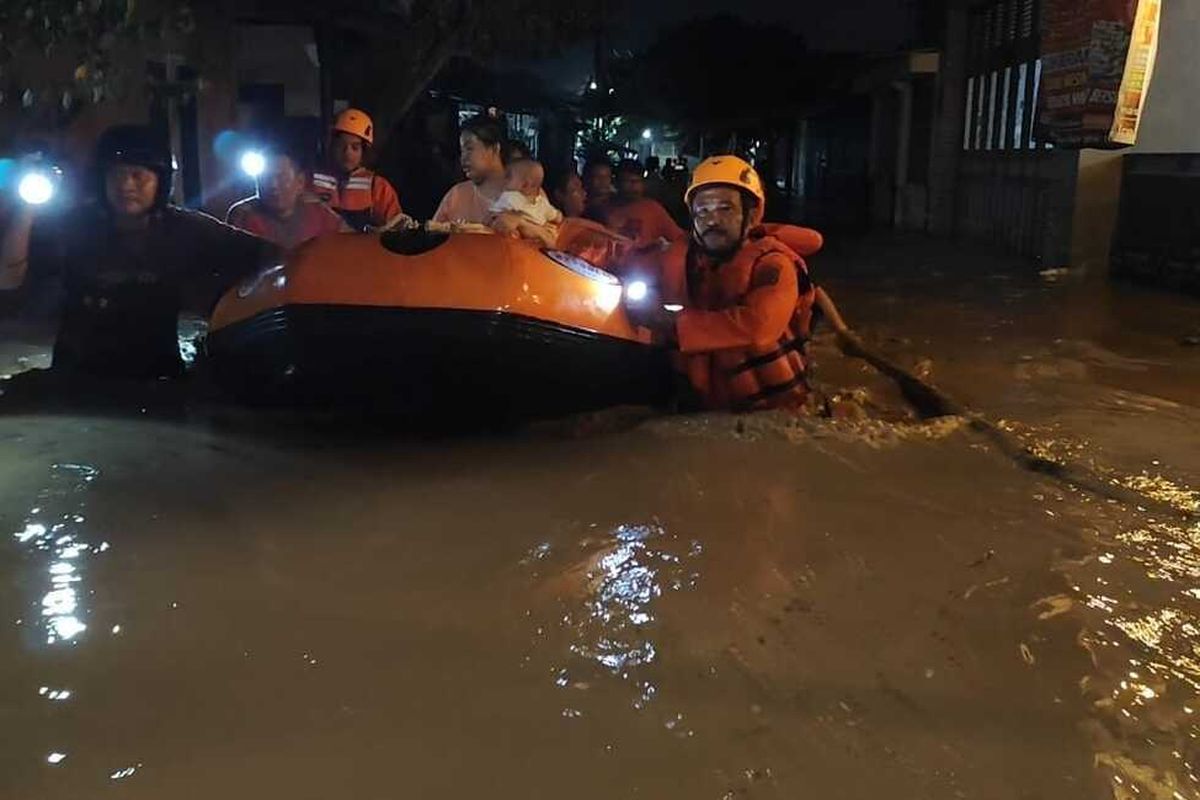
<point x="718" y="71"/>
<point x="381" y="53"/>
<point x="385" y="58"/>
<point x="68" y="52"/>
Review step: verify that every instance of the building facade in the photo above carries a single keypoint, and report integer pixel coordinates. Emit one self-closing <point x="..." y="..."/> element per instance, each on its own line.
<point x="943" y="140"/>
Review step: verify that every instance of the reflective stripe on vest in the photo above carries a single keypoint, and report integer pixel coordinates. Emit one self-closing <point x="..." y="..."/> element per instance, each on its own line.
<point x="357" y="193"/>
<point x="354" y="200"/>
<point x="324" y="181"/>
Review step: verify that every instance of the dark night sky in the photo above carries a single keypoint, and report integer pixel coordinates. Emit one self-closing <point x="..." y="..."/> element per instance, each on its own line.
<point x="860" y="25"/>
<point x="842" y="25"/>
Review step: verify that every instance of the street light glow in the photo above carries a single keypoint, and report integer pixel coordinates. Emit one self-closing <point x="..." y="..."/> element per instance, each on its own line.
<point x="646" y="134"/>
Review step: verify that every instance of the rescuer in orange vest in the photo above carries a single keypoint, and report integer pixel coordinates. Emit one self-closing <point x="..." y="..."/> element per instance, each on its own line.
<point x="746" y="297"/>
<point x="365" y="200"/>
<point x="637" y="217"/>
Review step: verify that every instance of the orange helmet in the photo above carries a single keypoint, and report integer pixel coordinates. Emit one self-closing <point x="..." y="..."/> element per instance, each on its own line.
<point x="729" y="171"/>
<point x="356" y="123"/>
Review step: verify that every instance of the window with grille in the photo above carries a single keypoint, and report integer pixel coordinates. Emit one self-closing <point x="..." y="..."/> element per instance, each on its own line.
<point x="1003" y="75"/>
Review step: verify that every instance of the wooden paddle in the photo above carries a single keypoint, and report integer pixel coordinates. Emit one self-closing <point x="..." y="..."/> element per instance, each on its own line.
<point x="930" y="402"/>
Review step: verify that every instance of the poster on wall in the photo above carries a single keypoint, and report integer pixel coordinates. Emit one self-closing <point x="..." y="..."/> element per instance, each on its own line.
<point x="1097" y="61"/>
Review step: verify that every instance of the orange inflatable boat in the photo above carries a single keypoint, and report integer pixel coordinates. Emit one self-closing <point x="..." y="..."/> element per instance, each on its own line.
<point x="417" y="320"/>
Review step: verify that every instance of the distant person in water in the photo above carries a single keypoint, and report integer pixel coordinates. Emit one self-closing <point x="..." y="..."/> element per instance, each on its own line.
<point x="598" y="183"/>
<point x="579" y="236"/>
<point x="637" y="217"/>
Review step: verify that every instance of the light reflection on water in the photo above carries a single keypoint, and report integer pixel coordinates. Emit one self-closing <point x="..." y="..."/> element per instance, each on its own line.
<point x="53" y="526"/>
<point x="1140" y="607"/>
<point x="189" y="331"/>
<point x="1164" y="490"/>
<point x="612" y="600"/>
<point x="1139" y="601"/>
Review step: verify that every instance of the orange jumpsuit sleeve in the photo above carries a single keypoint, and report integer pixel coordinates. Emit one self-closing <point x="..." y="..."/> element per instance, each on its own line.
<point x="385" y="203"/>
<point x="760" y="317"/>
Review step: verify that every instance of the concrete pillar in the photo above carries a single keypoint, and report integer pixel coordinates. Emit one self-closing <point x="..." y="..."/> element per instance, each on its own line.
<point x="950" y="106"/>
<point x="1169" y="125"/>
<point x="1097" y="200"/>
<point x="903" y="141"/>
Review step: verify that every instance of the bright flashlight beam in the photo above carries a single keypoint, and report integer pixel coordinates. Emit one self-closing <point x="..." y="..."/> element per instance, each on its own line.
<point x="36" y="189"/>
<point x="637" y="291"/>
<point x="253" y="163"/>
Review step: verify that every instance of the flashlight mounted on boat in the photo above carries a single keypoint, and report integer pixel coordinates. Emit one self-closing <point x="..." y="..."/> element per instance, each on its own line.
<point x="636" y="291"/>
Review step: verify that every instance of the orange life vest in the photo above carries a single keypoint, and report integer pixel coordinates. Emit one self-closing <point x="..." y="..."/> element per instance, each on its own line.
<point x="745" y="323"/>
<point x="363" y="199"/>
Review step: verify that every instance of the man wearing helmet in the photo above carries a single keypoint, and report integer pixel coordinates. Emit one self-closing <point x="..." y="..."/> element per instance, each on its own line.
<point x="128" y="262"/>
<point x="746" y="297"/>
<point x="365" y="200"/>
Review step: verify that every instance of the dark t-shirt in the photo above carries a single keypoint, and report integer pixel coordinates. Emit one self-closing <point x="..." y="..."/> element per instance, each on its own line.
<point x="123" y="290"/>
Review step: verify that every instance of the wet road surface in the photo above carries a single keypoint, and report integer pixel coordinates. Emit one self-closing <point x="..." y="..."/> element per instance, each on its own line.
<point x="700" y="607"/>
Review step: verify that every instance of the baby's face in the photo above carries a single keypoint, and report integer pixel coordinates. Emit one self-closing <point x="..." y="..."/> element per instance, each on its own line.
<point x="532" y="189"/>
<point x="514" y="181"/>
<point x="524" y="178"/>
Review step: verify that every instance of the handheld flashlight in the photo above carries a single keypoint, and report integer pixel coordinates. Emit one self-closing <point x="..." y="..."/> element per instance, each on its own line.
<point x="253" y="163"/>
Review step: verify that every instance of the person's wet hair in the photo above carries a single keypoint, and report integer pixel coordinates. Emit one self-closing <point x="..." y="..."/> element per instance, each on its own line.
<point x="294" y="154"/>
<point x="490" y="131"/>
<point x="629" y="167"/>
<point x="595" y="164"/>
<point x="142" y="145"/>
<point x="558" y="178"/>
<point x="518" y="151"/>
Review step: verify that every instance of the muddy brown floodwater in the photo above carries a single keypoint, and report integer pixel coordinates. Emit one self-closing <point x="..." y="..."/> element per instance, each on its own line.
<point x="704" y="607"/>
